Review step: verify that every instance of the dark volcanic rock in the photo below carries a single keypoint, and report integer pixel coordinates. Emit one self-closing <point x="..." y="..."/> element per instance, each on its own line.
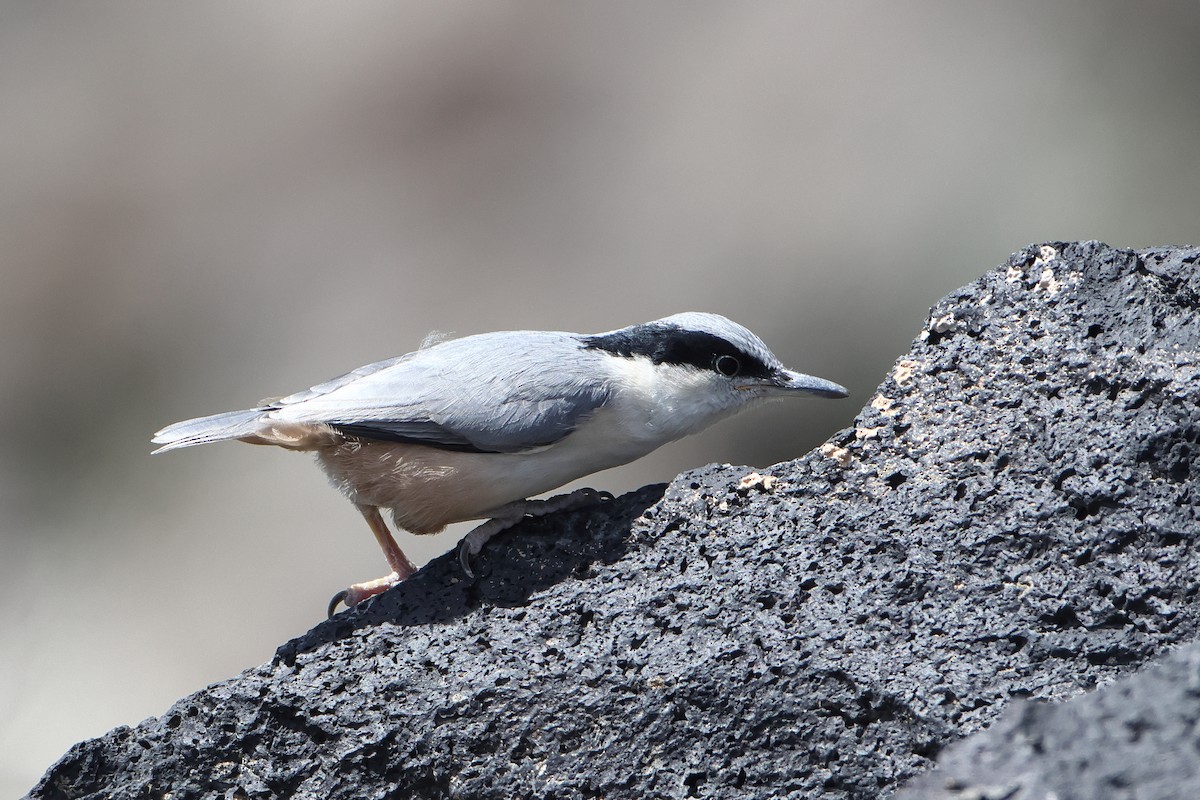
<point x="1013" y="514"/>
<point x="1132" y="740"/>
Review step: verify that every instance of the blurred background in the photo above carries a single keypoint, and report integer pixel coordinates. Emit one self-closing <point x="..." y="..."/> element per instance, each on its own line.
<point x="209" y="203"/>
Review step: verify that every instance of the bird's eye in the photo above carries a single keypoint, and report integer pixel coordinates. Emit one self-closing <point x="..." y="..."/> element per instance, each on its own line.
<point x="727" y="366"/>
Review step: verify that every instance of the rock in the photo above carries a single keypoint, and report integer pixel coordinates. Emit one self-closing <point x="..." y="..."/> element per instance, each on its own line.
<point x="1131" y="740"/>
<point x="1012" y="515"/>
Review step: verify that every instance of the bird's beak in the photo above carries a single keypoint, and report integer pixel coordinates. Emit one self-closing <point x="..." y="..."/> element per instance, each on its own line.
<point x="786" y="382"/>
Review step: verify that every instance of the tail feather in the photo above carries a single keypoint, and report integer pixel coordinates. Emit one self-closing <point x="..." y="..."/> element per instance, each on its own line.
<point x="217" y="428"/>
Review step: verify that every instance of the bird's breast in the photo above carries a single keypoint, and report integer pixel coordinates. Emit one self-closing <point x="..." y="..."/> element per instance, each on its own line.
<point x="427" y="488"/>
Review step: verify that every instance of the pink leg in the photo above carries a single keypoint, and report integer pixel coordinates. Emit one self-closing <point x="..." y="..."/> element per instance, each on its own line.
<point x="401" y="566"/>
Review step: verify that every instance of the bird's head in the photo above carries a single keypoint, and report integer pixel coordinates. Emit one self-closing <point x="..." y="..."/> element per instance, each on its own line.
<point x="701" y="367"/>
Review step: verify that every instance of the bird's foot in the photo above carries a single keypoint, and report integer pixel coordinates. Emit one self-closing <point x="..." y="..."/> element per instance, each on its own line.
<point x="353" y="595"/>
<point x="401" y="566"/>
<point x="507" y="516"/>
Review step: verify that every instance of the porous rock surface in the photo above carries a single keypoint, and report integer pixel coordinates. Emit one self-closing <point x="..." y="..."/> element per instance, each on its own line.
<point x="1012" y="515"/>
<point x="1132" y="740"/>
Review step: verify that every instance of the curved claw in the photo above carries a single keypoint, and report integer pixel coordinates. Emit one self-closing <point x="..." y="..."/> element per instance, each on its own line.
<point x="340" y="597"/>
<point x="464" y="558"/>
<point x="474" y="541"/>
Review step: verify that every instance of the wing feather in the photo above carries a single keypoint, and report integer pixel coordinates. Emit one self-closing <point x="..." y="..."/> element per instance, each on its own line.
<point x="500" y="392"/>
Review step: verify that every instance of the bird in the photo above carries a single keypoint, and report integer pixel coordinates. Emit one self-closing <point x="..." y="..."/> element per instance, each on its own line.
<point x="470" y="428"/>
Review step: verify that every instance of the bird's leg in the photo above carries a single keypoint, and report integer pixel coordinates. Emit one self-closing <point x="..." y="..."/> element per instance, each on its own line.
<point x="505" y="517"/>
<point x="401" y="566"/>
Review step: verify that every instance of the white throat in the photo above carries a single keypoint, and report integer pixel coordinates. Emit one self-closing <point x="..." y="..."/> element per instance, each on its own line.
<point x="660" y="403"/>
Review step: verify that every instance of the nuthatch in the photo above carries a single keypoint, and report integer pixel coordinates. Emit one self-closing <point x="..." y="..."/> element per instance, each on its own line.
<point x="469" y="428"/>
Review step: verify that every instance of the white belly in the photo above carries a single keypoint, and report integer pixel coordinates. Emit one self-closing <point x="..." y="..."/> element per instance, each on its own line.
<point x="427" y="488"/>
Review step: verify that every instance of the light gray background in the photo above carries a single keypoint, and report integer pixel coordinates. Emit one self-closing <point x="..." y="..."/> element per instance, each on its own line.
<point x="204" y="204"/>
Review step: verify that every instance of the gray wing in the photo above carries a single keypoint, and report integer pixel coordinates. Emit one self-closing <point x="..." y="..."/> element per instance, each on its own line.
<point x="498" y="392"/>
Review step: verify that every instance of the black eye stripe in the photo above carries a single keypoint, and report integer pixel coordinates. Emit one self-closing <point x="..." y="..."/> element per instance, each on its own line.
<point x="668" y="344"/>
